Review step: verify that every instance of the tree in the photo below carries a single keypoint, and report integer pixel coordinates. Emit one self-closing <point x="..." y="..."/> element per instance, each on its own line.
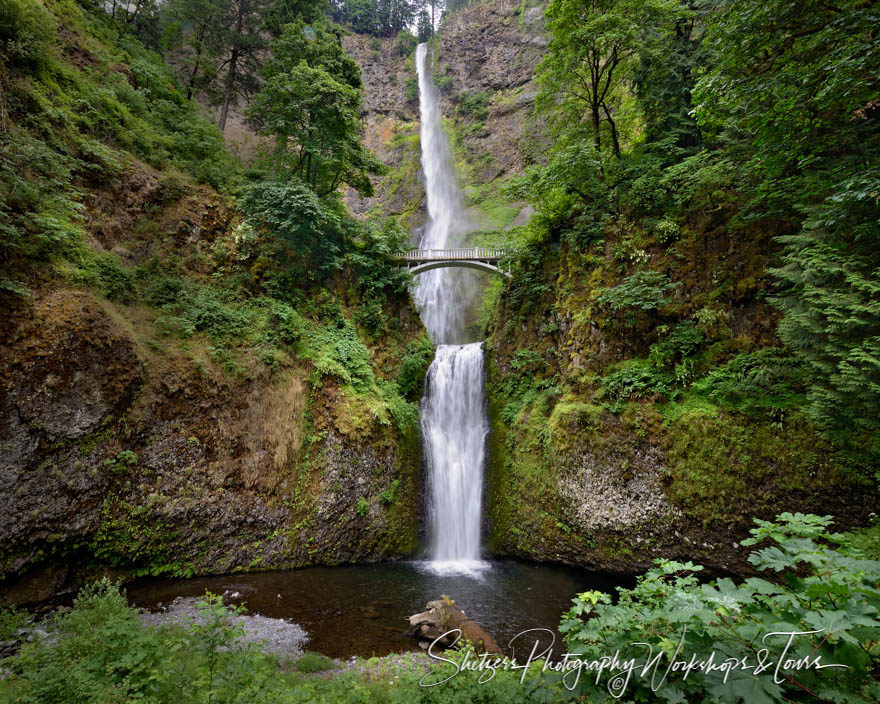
<point x="379" y="18"/>
<point x="310" y="105"/>
<point x="424" y="29"/>
<point x="195" y="27"/>
<point x="795" y="86"/>
<point x="595" y="47"/>
<point x="664" y="81"/>
<point x="243" y="39"/>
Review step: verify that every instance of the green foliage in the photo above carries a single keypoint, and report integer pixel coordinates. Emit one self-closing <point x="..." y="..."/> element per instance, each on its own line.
<point x="813" y="147"/>
<point x="405" y="43"/>
<point x="414" y="365"/>
<point x="314" y="662"/>
<point x="117" y="283"/>
<point x="372" y="256"/>
<point x="40" y="214"/>
<point x="473" y="104"/>
<point x="336" y="350"/>
<point x="378" y="18"/>
<point x="827" y="591"/>
<point x="123" y="462"/>
<point x="643" y="291"/>
<point x="767" y="380"/>
<point x="363" y="506"/>
<point x="671" y="365"/>
<point x="387" y="496"/>
<point x="303" y="233"/>
<point x="25" y="30"/>
<point x="101" y="652"/>
<point x="310" y="106"/>
<point x="443" y="81"/>
<point x="11" y="622"/>
<point x="594" y="48"/>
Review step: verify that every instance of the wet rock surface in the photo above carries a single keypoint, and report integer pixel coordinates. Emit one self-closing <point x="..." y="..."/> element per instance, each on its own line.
<point x="117" y="456"/>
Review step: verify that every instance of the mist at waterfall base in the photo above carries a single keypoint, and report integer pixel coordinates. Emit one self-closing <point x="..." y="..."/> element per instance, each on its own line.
<point x="454" y="423"/>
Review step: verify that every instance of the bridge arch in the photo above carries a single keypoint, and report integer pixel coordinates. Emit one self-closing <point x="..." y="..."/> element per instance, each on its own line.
<point x="464" y="263"/>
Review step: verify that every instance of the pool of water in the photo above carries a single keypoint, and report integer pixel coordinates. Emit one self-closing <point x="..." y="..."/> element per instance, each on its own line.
<point x="363" y="609"/>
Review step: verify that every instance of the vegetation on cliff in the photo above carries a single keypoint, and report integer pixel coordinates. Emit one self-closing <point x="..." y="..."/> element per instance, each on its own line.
<point x="143" y="264"/>
<point x="691" y="306"/>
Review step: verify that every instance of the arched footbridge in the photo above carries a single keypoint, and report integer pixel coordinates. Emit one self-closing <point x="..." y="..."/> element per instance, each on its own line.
<point x="482" y="258"/>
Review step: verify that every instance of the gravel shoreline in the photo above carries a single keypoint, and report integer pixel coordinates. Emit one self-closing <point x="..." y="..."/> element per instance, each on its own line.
<point x="277" y="635"/>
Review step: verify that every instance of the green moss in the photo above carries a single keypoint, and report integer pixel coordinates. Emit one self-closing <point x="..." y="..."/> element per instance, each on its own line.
<point x="722" y="467"/>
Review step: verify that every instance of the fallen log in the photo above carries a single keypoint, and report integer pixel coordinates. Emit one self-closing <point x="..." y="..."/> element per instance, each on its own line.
<point x="444" y="615"/>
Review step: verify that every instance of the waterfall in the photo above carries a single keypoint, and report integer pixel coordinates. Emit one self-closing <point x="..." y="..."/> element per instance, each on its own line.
<point x="454" y="423"/>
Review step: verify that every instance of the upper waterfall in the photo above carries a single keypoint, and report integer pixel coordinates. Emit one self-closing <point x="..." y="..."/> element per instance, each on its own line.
<point x="439" y="292"/>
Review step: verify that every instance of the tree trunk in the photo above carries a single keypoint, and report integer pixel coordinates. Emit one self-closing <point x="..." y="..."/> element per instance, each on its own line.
<point x="233" y="65"/>
<point x="615" y="140"/>
<point x="227" y="92"/>
<point x="445" y="615"/>
<point x="597" y="140"/>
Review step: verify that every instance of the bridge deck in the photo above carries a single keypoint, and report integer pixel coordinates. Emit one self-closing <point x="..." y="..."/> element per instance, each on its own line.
<point x="480" y="254"/>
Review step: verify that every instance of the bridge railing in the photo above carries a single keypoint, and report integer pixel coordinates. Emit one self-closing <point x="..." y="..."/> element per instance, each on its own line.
<point x="422" y="255"/>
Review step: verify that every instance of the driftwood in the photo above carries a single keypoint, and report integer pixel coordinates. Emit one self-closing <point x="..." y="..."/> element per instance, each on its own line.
<point x="444" y="615"/>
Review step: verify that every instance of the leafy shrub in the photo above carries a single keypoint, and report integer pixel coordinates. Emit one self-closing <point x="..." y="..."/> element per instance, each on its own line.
<point x="363" y="506"/>
<point x="116" y="282"/>
<point x="699" y="181"/>
<point x="827" y="592"/>
<point x="25" y="30"/>
<point x="405" y="43"/>
<point x="201" y="311"/>
<point x="100" y="652"/>
<point x="637" y="379"/>
<point x="667" y="231"/>
<point x="124" y="460"/>
<point x="11" y="622"/>
<point x="370" y="316"/>
<point x="644" y="290"/>
<point x="387" y="496"/>
<point x="337" y="351"/>
<point x="164" y="290"/>
<point x="289" y="324"/>
<point x="416" y="359"/>
<point x="443" y="82"/>
<point x="671" y="365"/>
<point x="474" y="104"/>
<point x="372" y="256"/>
<point x="39" y="213"/>
<point x="314" y="662"/>
<point x="756" y="382"/>
<point x="302" y="233"/>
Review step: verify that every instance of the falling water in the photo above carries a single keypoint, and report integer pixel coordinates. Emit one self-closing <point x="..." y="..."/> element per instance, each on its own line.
<point x="454" y="424"/>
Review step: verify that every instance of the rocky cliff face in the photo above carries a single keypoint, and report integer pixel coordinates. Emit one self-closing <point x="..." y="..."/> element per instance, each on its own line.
<point x="128" y="449"/>
<point x="483" y="64"/>
<point x="577" y="479"/>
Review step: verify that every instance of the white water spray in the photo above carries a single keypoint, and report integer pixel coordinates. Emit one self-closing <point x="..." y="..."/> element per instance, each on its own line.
<point x="454" y="423"/>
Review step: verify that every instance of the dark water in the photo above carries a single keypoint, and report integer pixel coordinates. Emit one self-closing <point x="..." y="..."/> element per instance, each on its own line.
<point x="362" y="609"/>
